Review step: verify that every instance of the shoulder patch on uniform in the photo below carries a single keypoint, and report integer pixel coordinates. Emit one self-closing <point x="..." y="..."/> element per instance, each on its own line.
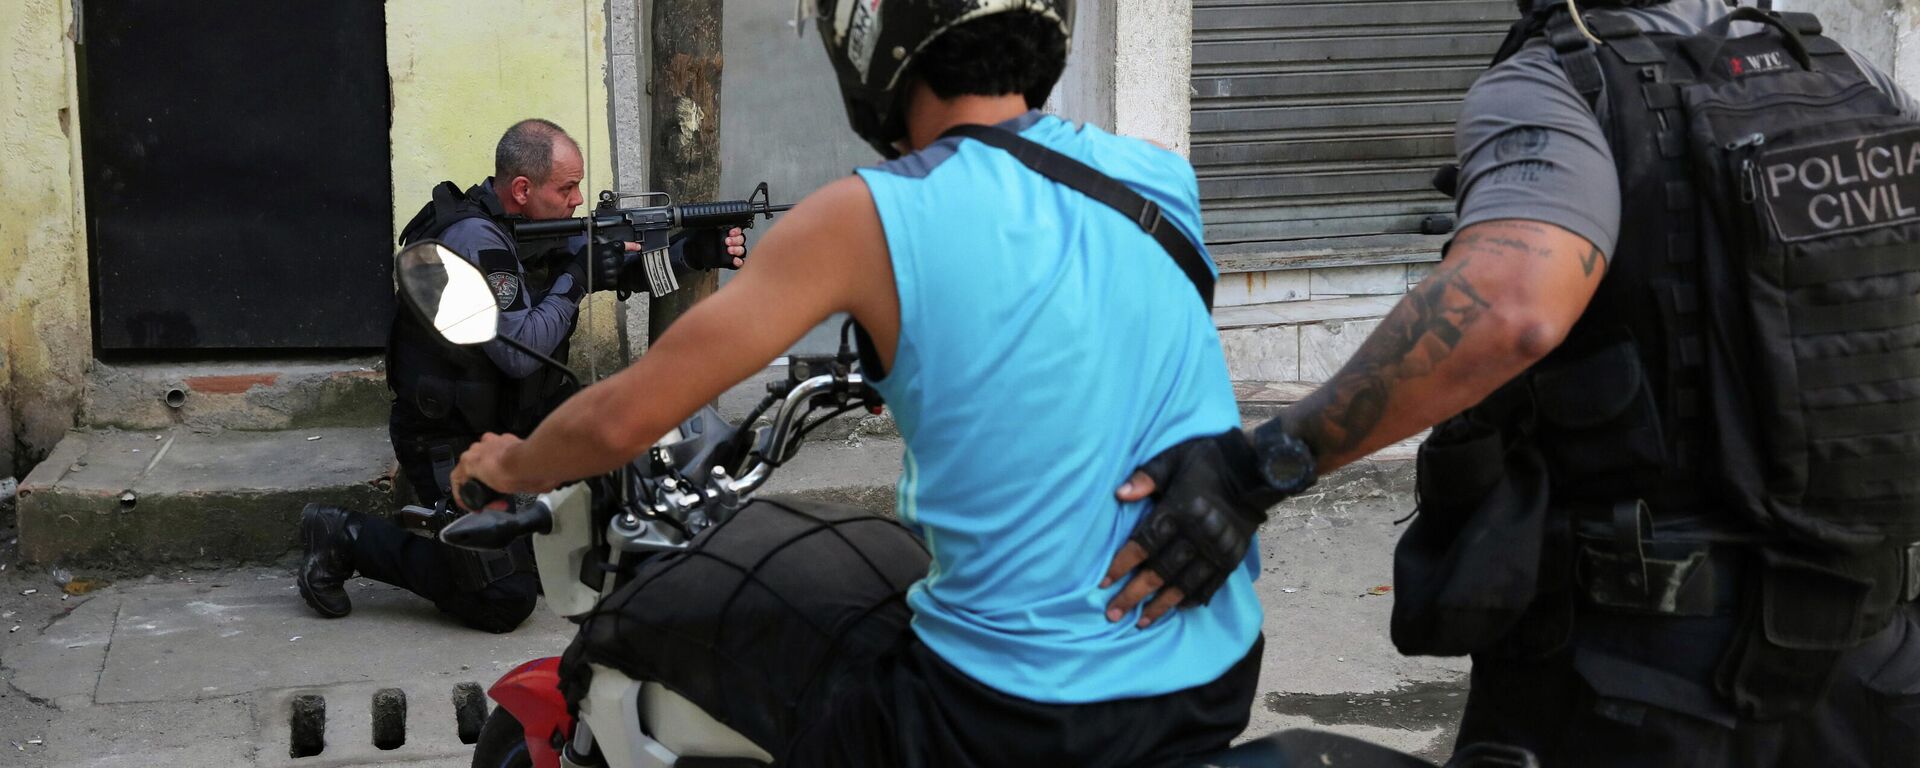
<point x="1526" y="141"/>
<point x="506" y="288"/>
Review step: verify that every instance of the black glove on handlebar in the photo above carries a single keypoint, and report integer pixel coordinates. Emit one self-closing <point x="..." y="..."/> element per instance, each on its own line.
<point x="705" y="249"/>
<point x="1210" y="498"/>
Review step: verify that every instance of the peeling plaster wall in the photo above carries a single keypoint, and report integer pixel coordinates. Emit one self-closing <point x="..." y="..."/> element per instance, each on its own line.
<point x="1882" y="31"/>
<point x="1130" y="68"/>
<point x="45" y="343"/>
<point x="627" y="83"/>
<point x="1906" y="35"/>
<point x="1153" y="64"/>
<point x="464" y="70"/>
<point x="1866" y="26"/>
<point x="1085" y="93"/>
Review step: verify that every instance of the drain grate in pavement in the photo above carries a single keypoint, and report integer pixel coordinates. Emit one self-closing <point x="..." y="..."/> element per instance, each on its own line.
<point x="389" y="719"/>
<point x="469" y="711"/>
<point x="309" y="725"/>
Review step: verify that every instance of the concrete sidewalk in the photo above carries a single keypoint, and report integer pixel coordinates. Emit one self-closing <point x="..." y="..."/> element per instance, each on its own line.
<point x="198" y="667"/>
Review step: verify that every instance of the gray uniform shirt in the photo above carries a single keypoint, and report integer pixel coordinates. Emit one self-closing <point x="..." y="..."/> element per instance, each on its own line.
<point x="539" y="317"/>
<point x="1530" y="148"/>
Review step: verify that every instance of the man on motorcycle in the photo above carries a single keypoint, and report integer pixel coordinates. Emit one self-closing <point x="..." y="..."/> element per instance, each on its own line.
<point x="1608" y="319"/>
<point x="445" y="397"/>
<point x="1034" y="345"/>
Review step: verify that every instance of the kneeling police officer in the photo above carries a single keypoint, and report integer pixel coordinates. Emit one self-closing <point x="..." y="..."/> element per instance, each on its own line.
<point x="445" y="397"/>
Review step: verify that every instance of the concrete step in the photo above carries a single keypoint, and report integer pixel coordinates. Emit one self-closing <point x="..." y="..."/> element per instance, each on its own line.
<point x="249" y="394"/>
<point x="133" y="498"/>
<point x="1296" y="340"/>
<point x="861" y="471"/>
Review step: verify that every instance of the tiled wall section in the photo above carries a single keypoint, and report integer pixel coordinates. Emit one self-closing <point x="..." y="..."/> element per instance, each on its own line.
<point x="1303" y="324"/>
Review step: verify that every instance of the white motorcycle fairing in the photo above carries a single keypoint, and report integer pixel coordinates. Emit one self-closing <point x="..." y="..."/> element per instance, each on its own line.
<point x="559" y="554"/>
<point x="672" y="726"/>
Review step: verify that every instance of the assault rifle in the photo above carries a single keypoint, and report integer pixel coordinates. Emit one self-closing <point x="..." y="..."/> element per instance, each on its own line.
<point x="650" y="227"/>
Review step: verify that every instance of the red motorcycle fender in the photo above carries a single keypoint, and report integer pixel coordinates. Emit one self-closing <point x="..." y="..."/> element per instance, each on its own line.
<point x="531" y="693"/>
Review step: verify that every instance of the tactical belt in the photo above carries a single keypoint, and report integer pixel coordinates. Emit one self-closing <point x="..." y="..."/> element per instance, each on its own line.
<point x="474" y="571"/>
<point x="1631" y="570"/>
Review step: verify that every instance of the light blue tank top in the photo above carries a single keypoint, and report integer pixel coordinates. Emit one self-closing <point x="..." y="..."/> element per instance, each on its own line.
<point x="1047" y="347"/>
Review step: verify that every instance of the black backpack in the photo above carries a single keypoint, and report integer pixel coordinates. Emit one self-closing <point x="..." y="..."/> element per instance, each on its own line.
<point x="1772" y="195"/>
<point x="1751" y="361"/>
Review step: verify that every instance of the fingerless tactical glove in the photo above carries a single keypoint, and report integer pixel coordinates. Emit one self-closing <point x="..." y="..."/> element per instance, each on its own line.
<point x="1211" y="495"/>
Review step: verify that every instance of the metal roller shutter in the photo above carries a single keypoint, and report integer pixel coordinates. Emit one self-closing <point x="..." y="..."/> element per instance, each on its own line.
<point x="1317" y="125"/>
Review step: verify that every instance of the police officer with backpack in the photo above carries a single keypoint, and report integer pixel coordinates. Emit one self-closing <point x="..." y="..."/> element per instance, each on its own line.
<point x="445" y="397"/>
<point x="1672" y="363"/>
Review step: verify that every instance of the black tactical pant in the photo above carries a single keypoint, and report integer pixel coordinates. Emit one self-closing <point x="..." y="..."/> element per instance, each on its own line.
<point x="388" y="553"/>
<point x="1638" y="691"/>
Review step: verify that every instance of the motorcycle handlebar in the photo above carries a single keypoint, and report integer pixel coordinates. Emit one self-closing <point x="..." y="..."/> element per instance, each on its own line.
<point x="784" y="422"/>
<point x="496" y="528"/>
<point x="475" y="495"/>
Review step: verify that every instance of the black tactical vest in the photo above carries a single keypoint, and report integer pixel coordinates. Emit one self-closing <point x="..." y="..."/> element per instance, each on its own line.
<point x="457" y="385"/>
<point x="1750" y="366"/>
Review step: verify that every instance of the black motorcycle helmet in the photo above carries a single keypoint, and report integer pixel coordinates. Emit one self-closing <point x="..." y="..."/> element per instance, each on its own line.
<point x="872" y="44"/>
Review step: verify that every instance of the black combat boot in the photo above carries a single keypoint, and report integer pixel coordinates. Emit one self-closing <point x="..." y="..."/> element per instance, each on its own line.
<point x="328" y="534"/>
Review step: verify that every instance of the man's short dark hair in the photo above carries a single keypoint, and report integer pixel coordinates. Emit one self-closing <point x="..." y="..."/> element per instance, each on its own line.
<point x="1006" y="53"/>
<point x="526" y="149"/>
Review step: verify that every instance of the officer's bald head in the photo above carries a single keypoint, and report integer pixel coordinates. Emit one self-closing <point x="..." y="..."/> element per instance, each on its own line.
<point x="527" y="149"/>
<point x="537" y="170"/>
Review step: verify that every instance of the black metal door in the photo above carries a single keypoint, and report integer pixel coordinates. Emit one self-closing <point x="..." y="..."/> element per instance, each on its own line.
<point x="237" y="173"/>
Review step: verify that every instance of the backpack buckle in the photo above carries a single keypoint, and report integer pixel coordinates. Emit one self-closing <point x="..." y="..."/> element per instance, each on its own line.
<point x="1150" y="216"/>
<point x="1911" y="591"/>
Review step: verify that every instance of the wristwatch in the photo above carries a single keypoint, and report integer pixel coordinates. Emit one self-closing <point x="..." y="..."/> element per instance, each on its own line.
<point x="1285" y="462"/>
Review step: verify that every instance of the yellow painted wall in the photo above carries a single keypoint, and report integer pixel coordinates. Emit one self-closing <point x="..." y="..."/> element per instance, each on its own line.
<point x="464" y="70"/>
<point x="45" y="342"/>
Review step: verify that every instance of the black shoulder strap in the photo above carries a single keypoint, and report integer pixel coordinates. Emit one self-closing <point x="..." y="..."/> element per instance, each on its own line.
<point x="1579" y="57"/>
<point x="1105" y="190"/>
<point x="449" y="206"/>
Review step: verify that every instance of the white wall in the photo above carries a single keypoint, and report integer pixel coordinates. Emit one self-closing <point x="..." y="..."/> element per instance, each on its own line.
<point x="1884" y="32"/>
<point x="1129" y="72"/>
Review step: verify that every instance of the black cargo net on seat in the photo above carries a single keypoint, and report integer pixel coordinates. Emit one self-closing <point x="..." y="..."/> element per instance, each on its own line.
<point x="752" y="620"/>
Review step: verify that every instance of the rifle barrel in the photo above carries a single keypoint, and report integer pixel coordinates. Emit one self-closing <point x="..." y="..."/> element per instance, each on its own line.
<point x="697" y="214"/>
<point x="527" y="230"/>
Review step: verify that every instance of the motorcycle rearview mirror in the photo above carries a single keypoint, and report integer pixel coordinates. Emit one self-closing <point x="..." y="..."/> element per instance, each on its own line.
<point x="449" y="295"/>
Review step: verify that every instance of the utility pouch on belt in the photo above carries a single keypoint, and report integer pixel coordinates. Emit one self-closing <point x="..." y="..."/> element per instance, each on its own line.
<point x="1629" y="571"/>
<point x="476" y="404"/>
<point x="1807" y="612"/>
<point x="474" y="571"/>
<point x="1469" y="569"/>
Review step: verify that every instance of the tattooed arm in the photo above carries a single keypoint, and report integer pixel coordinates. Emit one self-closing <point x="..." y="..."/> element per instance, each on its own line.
<point x="1505" y="296"/>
